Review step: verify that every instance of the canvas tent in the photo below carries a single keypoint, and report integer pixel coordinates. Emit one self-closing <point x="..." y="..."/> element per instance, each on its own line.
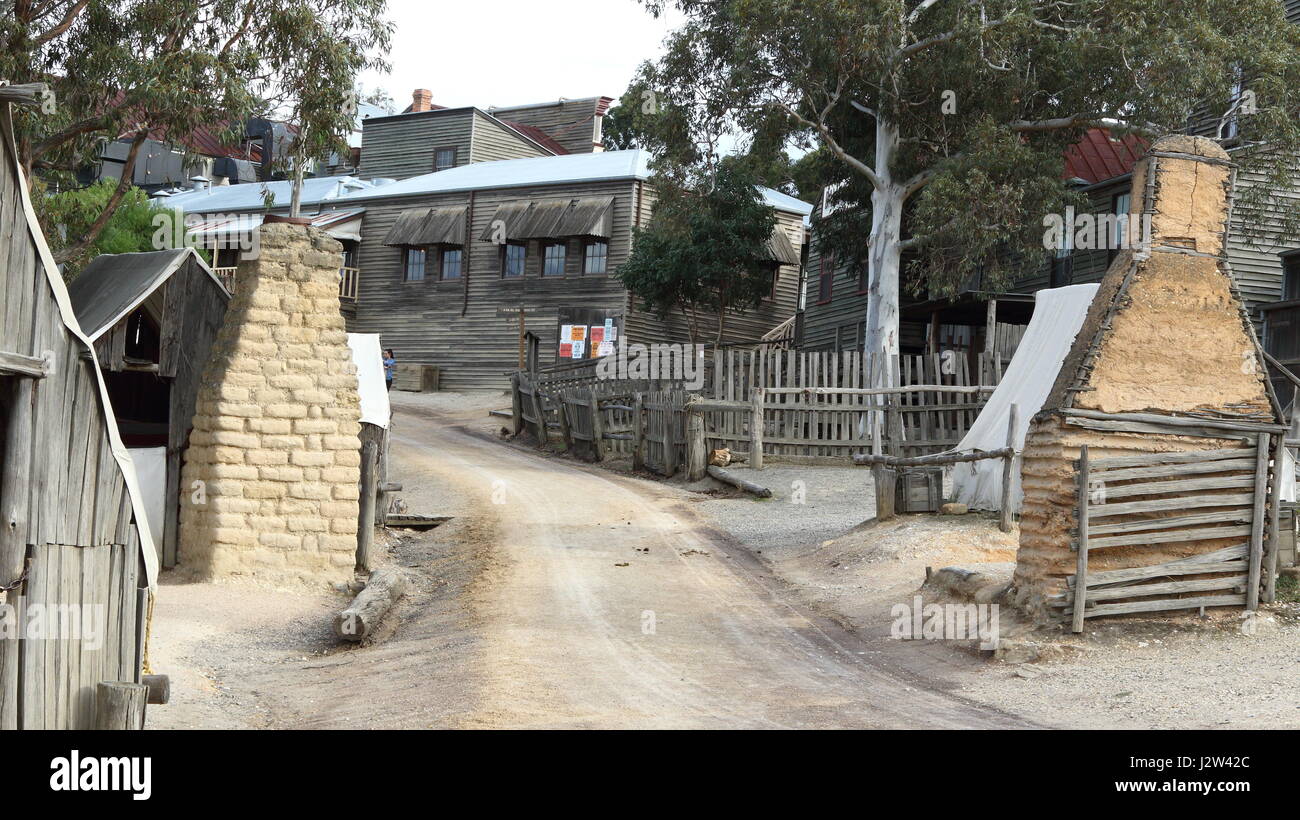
<point x="1058" y="315"/>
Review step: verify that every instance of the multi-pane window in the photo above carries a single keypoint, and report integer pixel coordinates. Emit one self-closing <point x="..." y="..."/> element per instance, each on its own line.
<point x="553" y="259"/>
<point x="413" y="269"/>
<point x="826" y="278"/>
<point x="1062" y="262"/>
<point x="595" y="255"/>
<point x="512" y="259"/>
<point x="451" y="263"/>
<point x="444" y="158"/>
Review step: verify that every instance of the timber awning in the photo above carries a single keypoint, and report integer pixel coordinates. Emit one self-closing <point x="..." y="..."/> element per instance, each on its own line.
<point x="428" y="226"/>
<point x="551" y="219"/>
<point x="780" y="249"/>
<point x="114" y="284"/>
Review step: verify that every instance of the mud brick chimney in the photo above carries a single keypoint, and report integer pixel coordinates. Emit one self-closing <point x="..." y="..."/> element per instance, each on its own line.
<point x="1166" y="334"/>
<point x="275" y="430"/>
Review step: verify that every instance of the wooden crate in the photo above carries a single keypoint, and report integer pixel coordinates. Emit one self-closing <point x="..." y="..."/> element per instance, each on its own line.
<point x="919" y="490"/>
<point x="416" y="378"/>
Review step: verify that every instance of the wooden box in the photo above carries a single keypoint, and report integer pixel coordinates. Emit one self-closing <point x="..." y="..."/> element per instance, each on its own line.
<point x="919" y="490"/>
<point x="416" y="378"/>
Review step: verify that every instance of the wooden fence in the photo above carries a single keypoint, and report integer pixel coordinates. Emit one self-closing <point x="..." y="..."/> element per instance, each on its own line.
<point x="813" y="406"/>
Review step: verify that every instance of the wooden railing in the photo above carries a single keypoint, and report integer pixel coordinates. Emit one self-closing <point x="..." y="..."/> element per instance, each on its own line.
<point x="347" y="281"/>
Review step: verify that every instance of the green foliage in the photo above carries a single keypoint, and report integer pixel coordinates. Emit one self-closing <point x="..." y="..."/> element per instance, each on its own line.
<point x="69" y="215"/>
<point x="962" y="109"/>
<point x="702" y="252"/>
<point x="165" y="68"/>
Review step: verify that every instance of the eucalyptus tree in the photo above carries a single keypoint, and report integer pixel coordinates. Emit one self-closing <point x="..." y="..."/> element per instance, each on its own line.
<point x="948" y="118"/>
<point x="164" y="68"/>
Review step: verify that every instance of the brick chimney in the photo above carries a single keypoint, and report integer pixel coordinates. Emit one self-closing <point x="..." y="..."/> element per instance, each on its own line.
<point x="421" y="100"/>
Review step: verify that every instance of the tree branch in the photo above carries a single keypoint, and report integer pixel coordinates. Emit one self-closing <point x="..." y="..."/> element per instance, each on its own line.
<point x="66" y="23"/>
<point x="852" y="161"/>
<point x="124" y="184"/>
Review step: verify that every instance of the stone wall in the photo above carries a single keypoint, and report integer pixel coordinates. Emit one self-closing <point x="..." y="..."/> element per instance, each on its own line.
<point x="275" y="430"/>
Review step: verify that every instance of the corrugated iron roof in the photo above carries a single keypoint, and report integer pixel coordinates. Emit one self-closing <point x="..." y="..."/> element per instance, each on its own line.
<point x="780" y="249"/>
<point x="551" y="219"/>
<point x="1099" y="156"/>
<point x="428" y="226"/>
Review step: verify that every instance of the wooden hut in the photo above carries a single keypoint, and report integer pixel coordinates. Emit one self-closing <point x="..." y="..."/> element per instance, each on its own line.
<point x="152" y="318"/>
<point x="74" y="539"/>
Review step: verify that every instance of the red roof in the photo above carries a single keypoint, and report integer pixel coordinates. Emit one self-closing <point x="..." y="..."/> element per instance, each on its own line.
<point x="535" y="134"/>
<point x="1099" y="156"/>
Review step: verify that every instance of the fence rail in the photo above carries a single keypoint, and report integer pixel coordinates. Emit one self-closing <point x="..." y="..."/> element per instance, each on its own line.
<point x="805" y="406"/>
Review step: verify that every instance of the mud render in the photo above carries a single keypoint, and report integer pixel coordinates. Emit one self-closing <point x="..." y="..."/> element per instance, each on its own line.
<point x="1147" y="478"/>
<point x="275" y="440"/>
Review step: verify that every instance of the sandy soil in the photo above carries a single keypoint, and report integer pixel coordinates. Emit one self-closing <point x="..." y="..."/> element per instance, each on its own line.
<point x="570" y="595"/>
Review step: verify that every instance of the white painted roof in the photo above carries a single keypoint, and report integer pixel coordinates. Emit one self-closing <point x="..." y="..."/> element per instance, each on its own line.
<point x="505" y="173"/>
<point x="248" y="196"/>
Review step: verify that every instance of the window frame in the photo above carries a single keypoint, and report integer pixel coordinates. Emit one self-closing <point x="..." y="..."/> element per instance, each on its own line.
<point x="455" y="155"/>
<point x="604" y="258"/>
<point x="1114" y="249"/>
<point x="504" y="256"/>
<point x="443" y="250"/>
<point x="544" y="249"/>
<point x="826" y="279"/>
<point x="407" y="250"/>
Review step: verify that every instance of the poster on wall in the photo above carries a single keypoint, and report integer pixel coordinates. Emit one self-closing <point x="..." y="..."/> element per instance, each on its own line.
<point x="583" y="332"/>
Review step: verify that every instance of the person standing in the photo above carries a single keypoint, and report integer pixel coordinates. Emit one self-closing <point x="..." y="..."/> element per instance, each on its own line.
<point x="389" y="363"/>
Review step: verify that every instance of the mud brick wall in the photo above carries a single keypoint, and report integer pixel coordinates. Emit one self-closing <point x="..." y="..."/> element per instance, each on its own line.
<point x="1177" y="341"/>
<point x="275" y="430"/>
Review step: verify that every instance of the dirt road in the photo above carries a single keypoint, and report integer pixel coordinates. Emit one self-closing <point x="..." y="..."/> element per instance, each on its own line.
<point x="609" y="605"/>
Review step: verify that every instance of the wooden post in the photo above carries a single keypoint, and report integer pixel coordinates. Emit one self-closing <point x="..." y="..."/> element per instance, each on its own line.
<point x="539" y="426"/>
<point x="1081" y="560"/>
<point x="886" y="483"/>
<point x="1257" y="521"/>
<point x="991" y="328"/>
<point x="597" y="427"/>
<point x="696" y="456"/>
<point x="566" y="431"/>
<point x="756" y="429"/>
<point x="638" y="432"/>
<point x="516" y="406"/>
<point x="120" y="705"/>
<point x="523" y="347"/>
<point x="1004" y="522"/>
<point x="366" y="519"/>
<point x="381" y="480"/>
<point x="358" y="621"/>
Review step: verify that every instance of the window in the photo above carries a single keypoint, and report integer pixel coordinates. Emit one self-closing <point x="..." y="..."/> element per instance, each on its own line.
<point x="512" y="259"/>
<point x="553" y="259"/>
<point x="1121" y="237"/>
<point x="413" y="269"/>
<point x="774" y="275"/>
<point x="1062" y="261"/>
<point x="1291" y="277"/>
<point x="444" y="158"/>
<point x="826" y="278"/>
<point x="450" y="263"/>
<point x="595" y="256"/>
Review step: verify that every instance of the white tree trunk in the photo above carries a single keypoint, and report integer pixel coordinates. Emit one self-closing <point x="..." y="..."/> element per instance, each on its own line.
<point x="884" y="256"/>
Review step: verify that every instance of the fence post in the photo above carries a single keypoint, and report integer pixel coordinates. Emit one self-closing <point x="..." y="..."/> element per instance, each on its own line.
<point x="597" y="426"/>
<point x="696" y="457"/>
<point x="566" y="432"/>
<point x="756" y="429"/>
<point x="516" y="407"/>
<point x="369" y="488"/>
<point x="539" y="427"/>
<point x="1004" y="523"/>
<point x="638" y="432"/>
<point x="886" y="481"/>
<point x="1081" y="560"/>
<point x="120" y="705"/>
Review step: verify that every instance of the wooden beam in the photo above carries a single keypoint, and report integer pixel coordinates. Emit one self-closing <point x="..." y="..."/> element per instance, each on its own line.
<point x="366" y="511"/>
<point x="1004" y="521"/>
<point x="1179" y="421"/>
<point x="120" y="705"/>
<point x="14" y="364"/>
<point x="1257" y="523"/>
<point x="358" y="621"/>
<point x="932" y="460"/>
<point x="736" y="481"/>
<point x="756" y="429"/>
<point x="24" y="93"/>
<point x="1081" y="559"/>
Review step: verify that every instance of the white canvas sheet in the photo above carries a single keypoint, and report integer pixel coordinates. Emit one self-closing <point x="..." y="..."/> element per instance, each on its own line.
<point x="151" y="472"/>
<point x="369" y="359"/>
<point x="1058" y="315"/>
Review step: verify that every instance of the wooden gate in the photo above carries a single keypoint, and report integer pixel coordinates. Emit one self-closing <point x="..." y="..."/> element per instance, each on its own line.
<point x="1167" y="498"/>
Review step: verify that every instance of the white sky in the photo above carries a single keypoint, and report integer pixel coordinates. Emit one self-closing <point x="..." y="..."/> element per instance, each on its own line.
<point x="512" y="52"/>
